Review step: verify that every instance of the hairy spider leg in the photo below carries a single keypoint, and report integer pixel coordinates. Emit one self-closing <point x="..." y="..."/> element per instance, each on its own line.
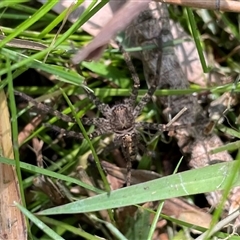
<point x="102" y="126"/>
<point x="147" y="97"/>
<point x="73" y="134"/>
<point x="116" y="143"/>
<point x="160" y="127"/>
<point x="102" y="107"/>
<point x="94" y="121"/>
<point x="64" y="132"/>
<point x="136" y="82"/>
<point x="44" y="108"/>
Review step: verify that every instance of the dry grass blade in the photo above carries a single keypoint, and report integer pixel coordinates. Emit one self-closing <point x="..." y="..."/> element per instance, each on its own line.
<point x="218" y="5"/>
<point x="25" y="44"/>
<point x="12" y="224"/>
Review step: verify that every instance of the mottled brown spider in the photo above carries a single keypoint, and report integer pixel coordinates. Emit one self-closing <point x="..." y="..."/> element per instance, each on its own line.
<point x="119" y="120"/>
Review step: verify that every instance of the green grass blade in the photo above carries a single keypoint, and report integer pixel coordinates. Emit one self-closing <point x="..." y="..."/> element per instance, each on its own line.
<point x="229" y="184"/>
<point x="7" y="3"/>
<point x="58" y="19"/>
<point x="207" y="179"/>
<point x="98" y="164"/>
<point x="196" y="37"/>
<point x="26" y="24"/>
<point x="15" y="131"/>
<point x="70" y="228"/>
<point x="38" y="170"/>
<point x="227" y="147"/>
<point x="61" y="73"/>
<point x="111" y="227"/>
<point x="39" y="223"/>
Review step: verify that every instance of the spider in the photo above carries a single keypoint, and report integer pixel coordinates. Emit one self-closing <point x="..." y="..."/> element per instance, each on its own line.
<point x="119" y="120"/>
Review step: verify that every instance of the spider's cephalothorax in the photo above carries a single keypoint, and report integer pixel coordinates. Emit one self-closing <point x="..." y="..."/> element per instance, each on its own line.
<point x="122" y="119"/>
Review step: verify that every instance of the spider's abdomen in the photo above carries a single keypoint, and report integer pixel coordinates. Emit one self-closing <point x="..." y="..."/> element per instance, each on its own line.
<point x="129" y="147"/>
<point x="129" y="150"/>
<point x="122" y="118"/>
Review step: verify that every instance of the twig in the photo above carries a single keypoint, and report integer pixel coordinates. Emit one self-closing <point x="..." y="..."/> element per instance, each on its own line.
<point x="218" y="5"/>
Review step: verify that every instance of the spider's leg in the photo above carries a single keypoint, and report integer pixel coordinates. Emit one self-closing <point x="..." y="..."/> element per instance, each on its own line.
<point x="102" y="107"/>
<point x="160" y="127"/>
<point x="94" y="121"/>
<point x="110" y="147"/>
<point x="129" y="149"/>
<point x="145" y="99"/>
<point x="77" y="135"/>
<point x="102" y="126"/>
<point x="65" y="132"/>
<point x="98" y="132"/>
<point x="136" y="82"/>
<point x="44" y="108"/>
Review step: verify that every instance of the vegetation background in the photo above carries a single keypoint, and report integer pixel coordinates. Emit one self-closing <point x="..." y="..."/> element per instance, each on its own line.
<point x="47" y="74"/>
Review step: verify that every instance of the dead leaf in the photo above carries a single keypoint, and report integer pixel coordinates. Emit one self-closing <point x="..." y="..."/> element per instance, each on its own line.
<point x="12" y="224"/>
<point x="120" y="21"/>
